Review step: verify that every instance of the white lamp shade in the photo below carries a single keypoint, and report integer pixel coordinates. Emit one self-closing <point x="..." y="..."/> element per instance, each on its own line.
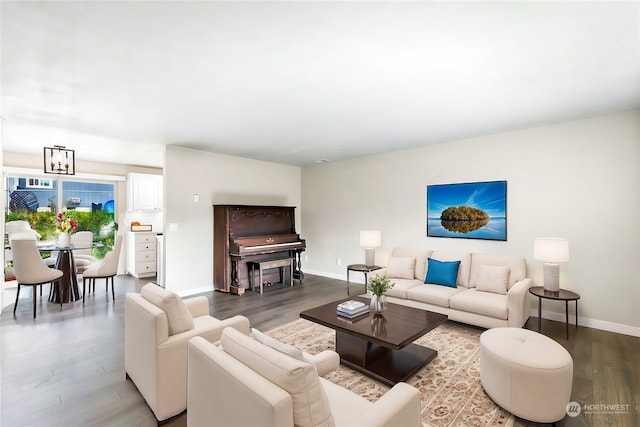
<point x="551" y="249"/>
<point x="370" y="238"/>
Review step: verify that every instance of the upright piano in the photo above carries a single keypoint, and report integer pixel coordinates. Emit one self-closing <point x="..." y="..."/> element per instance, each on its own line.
<point x="243" y="233"/>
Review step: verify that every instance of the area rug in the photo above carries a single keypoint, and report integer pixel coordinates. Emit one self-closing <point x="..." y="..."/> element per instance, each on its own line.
<point x="450" y="385"/>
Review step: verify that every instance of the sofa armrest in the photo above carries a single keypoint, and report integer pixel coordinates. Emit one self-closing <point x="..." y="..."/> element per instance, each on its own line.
<point x="400" y="406"/>
<point x="197" y="306"/>
<point x="208" y="331"/>
<point x="325" y="362"/>
<point x="518" y="303"/>
<point x="238" y="322"/>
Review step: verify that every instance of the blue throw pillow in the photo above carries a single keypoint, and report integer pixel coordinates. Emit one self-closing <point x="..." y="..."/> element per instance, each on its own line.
<point x="442" y="272"/>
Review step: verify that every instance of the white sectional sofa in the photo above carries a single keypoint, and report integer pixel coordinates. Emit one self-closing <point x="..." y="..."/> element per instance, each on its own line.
<point x="488" y="290"/>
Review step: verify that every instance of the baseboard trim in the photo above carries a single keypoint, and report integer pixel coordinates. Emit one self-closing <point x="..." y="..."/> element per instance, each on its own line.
<point x="352" y="277"/>
<point x="189" y="292"/>
<point x="589" y="323"/>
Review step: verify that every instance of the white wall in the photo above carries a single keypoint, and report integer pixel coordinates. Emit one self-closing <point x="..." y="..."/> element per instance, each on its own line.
<point x="578" y="180"/>
<point x="217" y="179"/>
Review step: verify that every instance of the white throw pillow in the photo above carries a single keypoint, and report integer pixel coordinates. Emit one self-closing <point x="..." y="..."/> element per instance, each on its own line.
<point x="493" y="278"/>
<point x="401" y="268"/>
<point x="299" y="379"/>
<point x="277" y="345"/>
<point x="179" y="316"/>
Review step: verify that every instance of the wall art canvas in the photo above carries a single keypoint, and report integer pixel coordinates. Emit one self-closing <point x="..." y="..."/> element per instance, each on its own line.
<point x="472" y="210"/>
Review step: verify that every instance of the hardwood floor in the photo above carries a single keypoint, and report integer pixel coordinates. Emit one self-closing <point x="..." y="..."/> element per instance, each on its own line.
<point x="66" y="367"/>
<point x="606" y="371"/>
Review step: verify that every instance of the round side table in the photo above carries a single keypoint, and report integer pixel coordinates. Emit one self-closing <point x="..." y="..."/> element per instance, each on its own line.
<point x="362" y="269"/>
<point x="561" y="295"/>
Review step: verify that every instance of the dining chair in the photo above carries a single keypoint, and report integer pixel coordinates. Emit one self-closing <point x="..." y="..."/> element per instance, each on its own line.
<point x="82" y="257"/>
<point x="16" y="230"/>
<point x="105" y="268"/>
<point x="21" y="230"/>
<point x="30" y="269"/>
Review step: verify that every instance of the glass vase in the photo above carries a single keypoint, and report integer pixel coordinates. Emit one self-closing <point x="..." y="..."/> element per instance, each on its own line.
<point x="378" y="304"/>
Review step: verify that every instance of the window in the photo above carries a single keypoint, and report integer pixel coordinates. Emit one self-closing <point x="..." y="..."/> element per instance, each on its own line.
<point x="37" y="200"/>
<point x="38" y="183"/>
<point x="86" y="196"/>
<point x="25" y="194"/>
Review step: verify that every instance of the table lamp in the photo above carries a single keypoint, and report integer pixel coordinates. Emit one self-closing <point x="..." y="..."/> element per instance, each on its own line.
<point x="551" y="251"/>
<point x="369" y="240"/>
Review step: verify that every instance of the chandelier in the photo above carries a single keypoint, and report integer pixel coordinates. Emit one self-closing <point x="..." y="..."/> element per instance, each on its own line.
<point x="59" y="160"/>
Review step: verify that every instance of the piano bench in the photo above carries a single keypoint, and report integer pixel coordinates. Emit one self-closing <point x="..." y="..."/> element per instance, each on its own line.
<point x="267" y="264"/>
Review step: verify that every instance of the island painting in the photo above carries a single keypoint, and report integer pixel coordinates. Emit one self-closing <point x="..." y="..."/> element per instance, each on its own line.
<point x="472" y="210"/>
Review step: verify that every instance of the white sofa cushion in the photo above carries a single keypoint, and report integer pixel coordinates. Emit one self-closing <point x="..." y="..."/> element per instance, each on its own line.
<point x="179" y="317"/>
<point x="465" y="264"/>
<point x="299" y="379"/>
<point x="517" y="267"/>
<point x="493" y="278"/>
<point x="485" y="303"/>
<point x="401" y="268"/>
<point x="433" y="294"/>
<point x="290" y="350"/>
<point x="420" y="255"/>
<point x="401" y="287"/>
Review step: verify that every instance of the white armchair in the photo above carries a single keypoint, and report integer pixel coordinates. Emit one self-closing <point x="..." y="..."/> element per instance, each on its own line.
<point x="280" y="390"/>
<point x="158" y="326"/>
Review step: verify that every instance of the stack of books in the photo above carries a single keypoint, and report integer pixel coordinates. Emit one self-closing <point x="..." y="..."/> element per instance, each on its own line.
<point x="351" y="309"/>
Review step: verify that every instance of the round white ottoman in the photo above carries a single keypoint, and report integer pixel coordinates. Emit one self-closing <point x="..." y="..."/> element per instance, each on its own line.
<point x="526" y="373"/>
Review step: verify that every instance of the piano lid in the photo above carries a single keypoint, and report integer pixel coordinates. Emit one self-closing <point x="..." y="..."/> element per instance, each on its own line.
<point x="248" y="221"/>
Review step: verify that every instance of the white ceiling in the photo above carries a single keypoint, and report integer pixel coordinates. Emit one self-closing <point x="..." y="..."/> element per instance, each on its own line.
<point x="296" y="82"/>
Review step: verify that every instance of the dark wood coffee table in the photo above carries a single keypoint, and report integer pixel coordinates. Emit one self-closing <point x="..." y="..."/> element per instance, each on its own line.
<point x="380" y="346"/>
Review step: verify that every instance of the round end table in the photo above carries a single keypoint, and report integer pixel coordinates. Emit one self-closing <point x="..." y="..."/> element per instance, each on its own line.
<point x="562" y="295"/>
<point x="362" y="268"/>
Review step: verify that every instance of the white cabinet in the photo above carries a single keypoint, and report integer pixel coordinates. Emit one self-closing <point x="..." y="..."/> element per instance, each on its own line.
<point x="141" y="254"/>
<point x="144" y="192"/>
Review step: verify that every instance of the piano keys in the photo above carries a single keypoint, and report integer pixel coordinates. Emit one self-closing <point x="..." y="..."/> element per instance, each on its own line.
<point x="263" y="244"/>
<point x="245" y="233"/>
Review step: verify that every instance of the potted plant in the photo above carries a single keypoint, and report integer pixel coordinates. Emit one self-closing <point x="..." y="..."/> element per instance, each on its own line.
<point x="378" y="286"/>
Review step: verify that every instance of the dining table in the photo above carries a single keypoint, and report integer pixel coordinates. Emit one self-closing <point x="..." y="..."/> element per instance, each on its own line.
<point x="66" y="289"/>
